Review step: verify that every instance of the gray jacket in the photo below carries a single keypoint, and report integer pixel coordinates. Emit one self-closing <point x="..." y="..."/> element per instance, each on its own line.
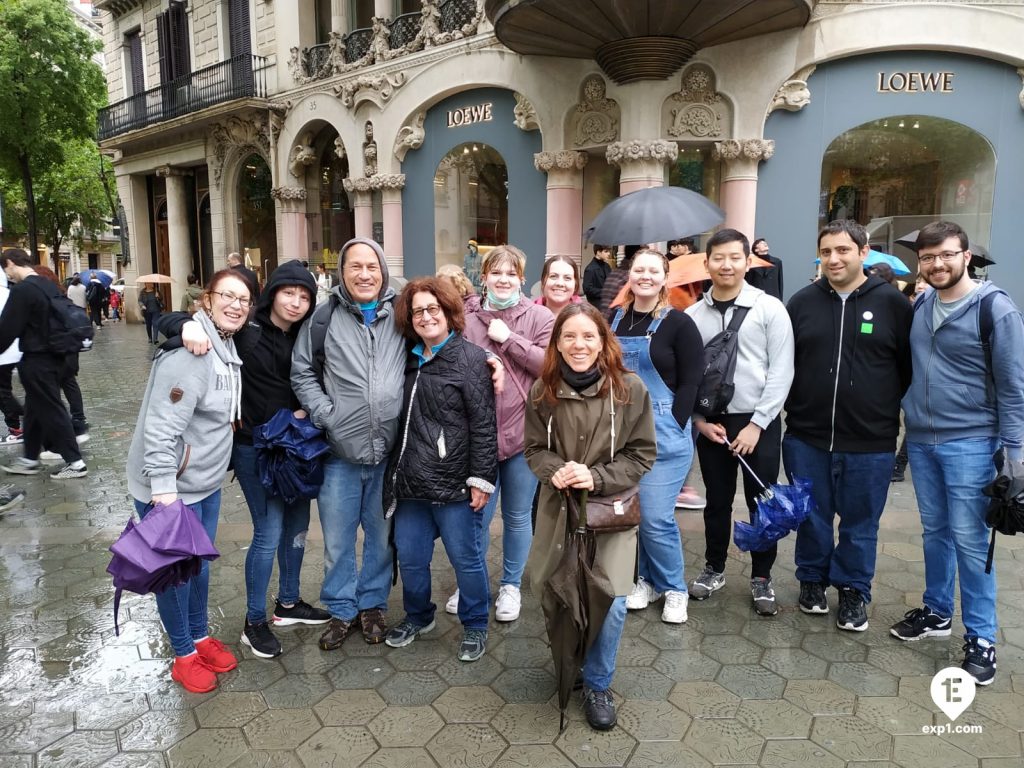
<point x="764" y="363"/>
<point x="182" y="441"/>
<point x="359" y="401"/>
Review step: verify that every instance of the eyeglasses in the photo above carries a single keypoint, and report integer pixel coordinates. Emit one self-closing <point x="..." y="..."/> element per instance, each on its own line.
<point x="230" y="298"/>
<point x="945" y="256"/>
<point x="431" y="309"/>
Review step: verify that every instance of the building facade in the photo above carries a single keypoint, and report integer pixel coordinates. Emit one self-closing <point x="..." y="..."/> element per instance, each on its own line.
<point x="281" y="129"/>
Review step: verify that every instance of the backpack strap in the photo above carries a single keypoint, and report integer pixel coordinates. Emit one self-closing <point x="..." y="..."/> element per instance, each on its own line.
<point x="986" y="325"/>
<point x="738" y="316"/>
<point x="318" y="323"/>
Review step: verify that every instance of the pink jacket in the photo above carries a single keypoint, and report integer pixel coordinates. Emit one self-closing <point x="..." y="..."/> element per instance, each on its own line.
<point x="523" y="355"/>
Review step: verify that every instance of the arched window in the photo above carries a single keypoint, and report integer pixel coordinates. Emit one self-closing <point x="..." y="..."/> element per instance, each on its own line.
<point x="470" y="201"/>
<point x="257" y="227"/>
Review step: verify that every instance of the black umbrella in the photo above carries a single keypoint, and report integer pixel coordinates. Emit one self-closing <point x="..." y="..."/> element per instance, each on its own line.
<point x="653" y="214"/>
<point x="575" y="601"/>
<point x="979" y="254"/>
<point x="1006" y="508"/>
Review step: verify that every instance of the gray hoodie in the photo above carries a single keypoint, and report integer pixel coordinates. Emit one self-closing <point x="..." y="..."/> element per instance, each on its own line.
<point x="182" y="441"/>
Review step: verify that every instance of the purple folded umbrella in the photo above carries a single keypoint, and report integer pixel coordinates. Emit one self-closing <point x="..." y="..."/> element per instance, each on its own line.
<point x="165" y="549"/>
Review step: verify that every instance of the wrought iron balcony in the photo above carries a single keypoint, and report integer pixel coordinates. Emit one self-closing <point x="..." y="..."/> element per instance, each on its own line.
<point x="404" y="29"/>
<point x="236" y="78"/>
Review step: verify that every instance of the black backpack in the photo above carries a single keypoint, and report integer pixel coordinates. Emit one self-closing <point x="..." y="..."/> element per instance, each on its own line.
<point x="68" y="328"/>
<point x="717" y="387"/>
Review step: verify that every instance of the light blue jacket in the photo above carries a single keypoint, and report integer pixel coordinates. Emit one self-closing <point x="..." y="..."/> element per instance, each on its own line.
<point x="952" y="396"/>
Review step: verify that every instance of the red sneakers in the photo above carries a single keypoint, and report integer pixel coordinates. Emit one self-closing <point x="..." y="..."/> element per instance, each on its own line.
<point x="215" y="655"/>
<point x="194" y="674"/>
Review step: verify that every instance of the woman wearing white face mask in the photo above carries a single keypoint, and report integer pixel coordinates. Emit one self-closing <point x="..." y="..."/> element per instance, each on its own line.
<point x="664" y="347"/>
<point x="515" y="329"/>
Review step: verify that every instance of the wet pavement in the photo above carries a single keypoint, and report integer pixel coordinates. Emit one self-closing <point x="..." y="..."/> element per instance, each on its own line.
<point x="726" y="688"/>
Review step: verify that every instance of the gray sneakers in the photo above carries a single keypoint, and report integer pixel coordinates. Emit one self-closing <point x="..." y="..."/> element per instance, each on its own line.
<point x="764" y="596"/>
<point x="708" y="582"/>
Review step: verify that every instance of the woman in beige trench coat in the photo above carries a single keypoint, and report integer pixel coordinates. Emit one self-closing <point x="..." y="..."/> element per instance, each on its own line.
<point x="582" y="371"/>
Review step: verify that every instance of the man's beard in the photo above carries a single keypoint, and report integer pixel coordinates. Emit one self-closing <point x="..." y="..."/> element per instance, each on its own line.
<point x="955" y="276"/>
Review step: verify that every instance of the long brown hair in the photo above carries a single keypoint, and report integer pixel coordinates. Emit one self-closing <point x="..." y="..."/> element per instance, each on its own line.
<point x="628" y="298"/>
<point x="609" y="359"/>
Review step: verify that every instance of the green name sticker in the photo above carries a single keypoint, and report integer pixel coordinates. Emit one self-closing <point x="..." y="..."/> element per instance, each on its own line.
<point x="866" y="327"/>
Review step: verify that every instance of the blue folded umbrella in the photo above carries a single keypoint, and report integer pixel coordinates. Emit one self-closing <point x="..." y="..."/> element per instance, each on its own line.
<point x="288" y="456"/>
<point x="780" y="509"/>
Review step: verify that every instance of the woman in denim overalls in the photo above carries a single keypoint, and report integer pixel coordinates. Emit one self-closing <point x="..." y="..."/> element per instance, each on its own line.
<point x="664" y="348"/>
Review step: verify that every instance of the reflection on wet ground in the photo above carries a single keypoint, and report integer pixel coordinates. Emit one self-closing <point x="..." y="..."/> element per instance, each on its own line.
<point x="727" y="688"/>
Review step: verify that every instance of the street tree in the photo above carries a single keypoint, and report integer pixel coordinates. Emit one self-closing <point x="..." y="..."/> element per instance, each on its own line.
<point x="50" y="90"/>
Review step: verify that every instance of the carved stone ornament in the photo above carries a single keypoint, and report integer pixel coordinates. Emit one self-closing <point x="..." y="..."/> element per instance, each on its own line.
<point x="595" y="120"/>
<point x="696" y="109"/>
<point x="387" y="181"/>
<point x="369" y="151"/>
<point x="295" y="66"/>
<point x="235" y="133"/>
<point x="792" y="96"/>
<point x="746" y="149"/>
<point x="380" y="44"/>
<point x="288" y="193"/>
<point x="339" y="148"/>
<point x="356" y="185"/>
<point x="410" y="136"/>
<point x="376" y="88"/>
<point x="302" y="156"/>
<point x="658" y="149"/>
<point x="525" y="114"/>
<point x="565" y="160"/>
<point x="466" y="30"/>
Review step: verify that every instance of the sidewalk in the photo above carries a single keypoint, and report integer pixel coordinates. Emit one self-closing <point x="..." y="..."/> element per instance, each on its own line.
<point x="726" y="688"/>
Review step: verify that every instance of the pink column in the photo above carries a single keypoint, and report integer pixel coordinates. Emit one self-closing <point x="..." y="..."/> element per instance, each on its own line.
<point x="391" y="206"/>
<point x="740" y="159"/>
<point x="641" y="163"/>
<point x="294" y="233"/>
<point x="739" y="201"/>
<point x="363" y="209"/>
<point x="564" y="201"/>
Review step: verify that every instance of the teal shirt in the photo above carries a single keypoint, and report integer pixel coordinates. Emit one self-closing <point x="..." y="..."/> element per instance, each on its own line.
<point x="419" y="349"/>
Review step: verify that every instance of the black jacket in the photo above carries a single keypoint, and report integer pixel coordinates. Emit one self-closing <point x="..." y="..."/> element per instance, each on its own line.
<point x="448" y="428"/>
<point x="26" y="314"/>
<point x="768" y="279"/>
<point x="593" y="279"/>
<point x="852" y="366"/>
<point x="265" y="350"/>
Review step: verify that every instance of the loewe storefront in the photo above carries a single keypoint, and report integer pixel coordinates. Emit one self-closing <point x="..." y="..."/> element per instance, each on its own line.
<point x="896" y="140"/>
<point x="473" y="178"/>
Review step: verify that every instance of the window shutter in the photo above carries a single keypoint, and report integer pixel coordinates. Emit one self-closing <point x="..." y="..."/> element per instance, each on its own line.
<point x="238" y="28"/>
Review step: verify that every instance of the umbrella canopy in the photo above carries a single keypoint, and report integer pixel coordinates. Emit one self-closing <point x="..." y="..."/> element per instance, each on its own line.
<point x="288" y="450"/>
<point x="653" y="214"/>
<point x="104" y="276"/>
<point x="877" y="257"/>
<point x="575" y="601"/>
<point x="1006" y="508"/>
<point x="780" y="509"/>
<point x="155" y="277"/>
<point x="165" y="549"/>
<point x="979" y="254"/>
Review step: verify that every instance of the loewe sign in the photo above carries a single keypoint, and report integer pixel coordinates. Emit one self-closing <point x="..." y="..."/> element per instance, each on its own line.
<point x="915" y="82"/>
<point x="478" y="113"/>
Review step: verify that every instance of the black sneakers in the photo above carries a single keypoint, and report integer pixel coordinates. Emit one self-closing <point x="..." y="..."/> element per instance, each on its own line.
<point x="921" y="622"/>
<point x="599" y="708"/>
<point x="9" y="496"/>
<point x="474" y="644"/>
<point x="261" y="640"/>
<point x="300" y="613"/>
<point x="852" y="614"/>
<point x="980" y="660"/>
<point x="812" y="597"/>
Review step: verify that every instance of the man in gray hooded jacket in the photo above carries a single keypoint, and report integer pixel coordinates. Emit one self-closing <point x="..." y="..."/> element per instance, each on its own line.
<point x="357" y="400"/>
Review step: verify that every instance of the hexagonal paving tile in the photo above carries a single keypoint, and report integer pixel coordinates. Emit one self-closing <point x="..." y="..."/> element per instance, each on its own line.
<point x="784" y="754"/>
<point x="666" y="637"/>
<point x="526" y="652"/>
<point x="908" y="659"/>
<point x="835" y="646"/>
<point x="230" y="710"/>
<point x="519" y="685"/>
<point x="281" y="729"/>
<point x="751" y="681"/>
<point x="337" y="746"/>
<point x="527" y="723"/>
<point x="851" y="738"/>
<point x="421" y="655"/>
<point x="136" y="760"/>
<point x="731" y="649"/>
<point x="665" y="754"/>
<point x="476" y="704"/>
<point x="466" y="744"/>
<point x="641" y="683"/>
<point x="894" y="715"/>
<point x="995" y="740"/>
<point x="483" y="671"/>
<point x="686" y="666"/>
<point x="775" y="719"/>
<point x="794" y="663"/>
<point x="109" y="711"/>
<point x="400" y="757"/>
<point x="309" y="659"/>
<point x="405" y="726"/>
<point x="707" y="700"/>
<point x="1004" y="708"/>
<point x="84" y="749"/>
<point x="360" y="673"/>
<point x="156" y="731"/>
<point x="929" y="752"/>
<point x="532" y="756"/>
<point x="294" y="690"/>
<point x="252" y="675"/>
<point x="653" y="720"/>
<point x="724" y="741"/>
<point x="587" y="747"/>
<point x="635" y="652"/>
<point x="208" y="748"/>
<point x="820" y="697"/>
<point x="261" y="758"/>
<point x="863" y="679"/>
<point x="349" y="707"/>
<point x="411" y="689"/>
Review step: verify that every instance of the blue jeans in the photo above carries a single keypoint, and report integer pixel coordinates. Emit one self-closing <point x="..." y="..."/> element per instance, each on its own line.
<point x="599" y="665"/>
<point x="350" y="497"/>
<point x="948" y="479"/>
<point x="516" y="484"/>
<point x="277" y="528"/>
<point x="660" y="559"/>
<point x="417" y="524"/>
<point x="853" y="486"/>
<point x="183" y="609"/>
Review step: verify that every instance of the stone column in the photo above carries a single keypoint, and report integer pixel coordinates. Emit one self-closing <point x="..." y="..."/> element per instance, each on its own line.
<point x="391" y="186"/>
<point x="291" y="202"/>
<point x="740" y="158"/>
<point x="132" y="190"/>
<point x="179" y="244"/>
<point x="382" y="9"/>
<point x="339" y="17"/>
<point x="641" y="163"/>
<point x="565" y="201"/>
<point x="359" y="191"/>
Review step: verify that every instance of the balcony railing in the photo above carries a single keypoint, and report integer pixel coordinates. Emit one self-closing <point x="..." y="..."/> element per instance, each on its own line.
<point x="236" y="78"/>
<point x="404" y="29"/>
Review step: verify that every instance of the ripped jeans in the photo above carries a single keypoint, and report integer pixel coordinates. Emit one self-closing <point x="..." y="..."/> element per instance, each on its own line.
<point x="277" y="528"/>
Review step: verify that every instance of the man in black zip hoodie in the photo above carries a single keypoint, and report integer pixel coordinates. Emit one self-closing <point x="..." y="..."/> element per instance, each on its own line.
<point x="852" y="367"/>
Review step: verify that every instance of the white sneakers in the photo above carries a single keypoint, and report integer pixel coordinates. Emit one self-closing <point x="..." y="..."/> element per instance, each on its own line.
<point x="674" y="610"/>
<point x="506" y="607"/>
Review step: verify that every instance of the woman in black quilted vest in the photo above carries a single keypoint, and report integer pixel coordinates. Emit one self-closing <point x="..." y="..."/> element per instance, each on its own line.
<point x="445" y="467"/>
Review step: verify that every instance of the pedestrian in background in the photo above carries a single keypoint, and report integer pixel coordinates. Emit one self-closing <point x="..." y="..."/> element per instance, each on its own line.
<point x="150" y="305"/>
<point x="9" y="359"/>
<point x="193" y="292"/>
<point x="597" y="272"/>
<point x="76" y="292"/>
<point x="95" y="295"/>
